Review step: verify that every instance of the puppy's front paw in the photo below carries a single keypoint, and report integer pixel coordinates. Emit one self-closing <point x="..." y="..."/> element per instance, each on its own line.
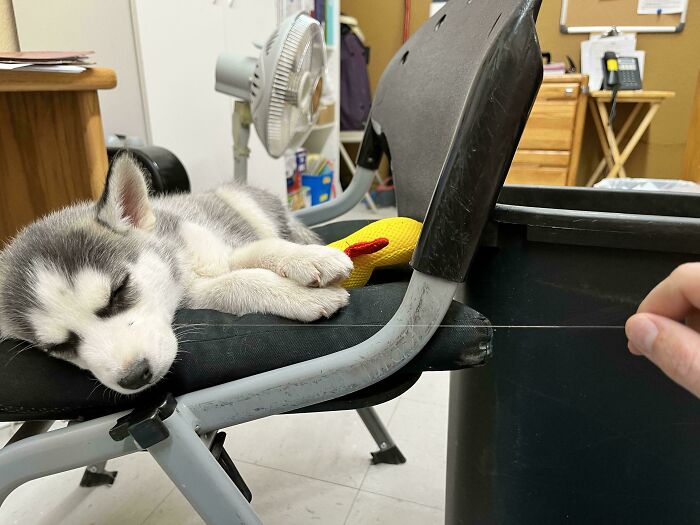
<point x="313" y="304"/>
<point x="316" y="266"/>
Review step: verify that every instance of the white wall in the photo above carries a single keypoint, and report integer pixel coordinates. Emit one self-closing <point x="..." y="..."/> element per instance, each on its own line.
<point x="178" y="42"/>
<point x="103" y="27"/>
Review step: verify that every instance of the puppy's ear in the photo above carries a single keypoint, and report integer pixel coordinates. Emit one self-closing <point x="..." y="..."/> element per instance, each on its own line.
<point x="124" y="203"/>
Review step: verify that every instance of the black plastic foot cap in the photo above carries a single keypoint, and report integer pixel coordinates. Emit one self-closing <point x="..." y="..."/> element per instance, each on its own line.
<point x="98" y="479"/>
<point x="390" y="456"/>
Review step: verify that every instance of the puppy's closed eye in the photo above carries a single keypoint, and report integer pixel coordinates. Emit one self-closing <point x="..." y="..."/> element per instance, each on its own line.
<point x="66" y="350"/>
<point x="120" y="298"/>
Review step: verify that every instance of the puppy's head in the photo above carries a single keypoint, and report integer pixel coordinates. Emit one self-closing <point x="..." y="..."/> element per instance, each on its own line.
<point x="90" y="284"/>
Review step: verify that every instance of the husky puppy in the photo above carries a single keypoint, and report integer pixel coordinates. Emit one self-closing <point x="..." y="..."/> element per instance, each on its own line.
<point x="97" y="284"/>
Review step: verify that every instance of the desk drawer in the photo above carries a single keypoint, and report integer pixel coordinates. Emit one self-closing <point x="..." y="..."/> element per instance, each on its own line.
<point x="532" y="174"/>
<point x="559" y="91"/>
<point x="550" y="126"/>
<point x="553" y="158"/>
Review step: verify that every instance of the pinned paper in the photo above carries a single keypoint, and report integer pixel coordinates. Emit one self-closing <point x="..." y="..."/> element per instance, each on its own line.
<point x="660" y="7"/>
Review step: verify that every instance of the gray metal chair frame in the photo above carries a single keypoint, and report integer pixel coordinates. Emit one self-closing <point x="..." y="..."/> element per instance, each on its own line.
<point x="458" y="143"/>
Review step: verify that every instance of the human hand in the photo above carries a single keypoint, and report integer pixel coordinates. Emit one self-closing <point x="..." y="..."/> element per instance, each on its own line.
<point x="666" y="325"/>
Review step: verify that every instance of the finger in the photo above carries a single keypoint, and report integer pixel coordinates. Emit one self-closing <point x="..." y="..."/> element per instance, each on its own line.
<point x="633" y="349"/>
<point x="670" y="345"/>
<point x="676" y="295"/>
<point x="692" y="320"/>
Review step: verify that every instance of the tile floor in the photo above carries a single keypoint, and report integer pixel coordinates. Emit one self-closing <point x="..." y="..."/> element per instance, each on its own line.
<point x="302" y="468"/>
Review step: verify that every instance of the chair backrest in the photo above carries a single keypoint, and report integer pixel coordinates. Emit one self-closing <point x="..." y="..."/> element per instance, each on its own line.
<point x="449" y="111"/>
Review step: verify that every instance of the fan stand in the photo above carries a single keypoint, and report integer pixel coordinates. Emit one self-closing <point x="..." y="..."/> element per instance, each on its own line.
<point x="241" y="122"/>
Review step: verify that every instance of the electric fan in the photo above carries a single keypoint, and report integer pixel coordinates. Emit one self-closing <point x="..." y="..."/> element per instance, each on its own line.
<point x="279" y="92"/>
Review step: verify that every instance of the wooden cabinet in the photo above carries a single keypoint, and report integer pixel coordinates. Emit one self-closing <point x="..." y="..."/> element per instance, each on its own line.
<point x="549" y="149"/>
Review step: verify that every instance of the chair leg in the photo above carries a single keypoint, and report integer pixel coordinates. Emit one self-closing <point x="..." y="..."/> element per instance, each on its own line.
<point x="29" y="429"/>
<point x="191" y="466"/>
<point x="388" y="451"/>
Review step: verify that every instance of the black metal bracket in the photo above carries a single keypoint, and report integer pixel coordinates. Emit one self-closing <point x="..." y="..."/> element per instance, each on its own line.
<point x="145" y="424"/>
<point x="219" y="452"/>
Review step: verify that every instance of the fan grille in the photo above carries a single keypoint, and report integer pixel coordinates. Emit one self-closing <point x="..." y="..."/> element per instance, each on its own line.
<point x="280" y="122"/>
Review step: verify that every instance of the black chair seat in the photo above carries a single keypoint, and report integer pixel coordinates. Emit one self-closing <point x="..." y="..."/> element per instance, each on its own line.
<point x="220" y="347"/>
<point x="224" y="348"/>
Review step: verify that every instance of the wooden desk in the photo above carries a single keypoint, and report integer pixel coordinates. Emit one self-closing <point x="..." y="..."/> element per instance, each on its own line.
<point x="52" y="149"/>
<point x="613" y="155"/>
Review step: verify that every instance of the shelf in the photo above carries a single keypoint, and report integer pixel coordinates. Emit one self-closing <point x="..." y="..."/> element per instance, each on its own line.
<point x="328" y="125"/>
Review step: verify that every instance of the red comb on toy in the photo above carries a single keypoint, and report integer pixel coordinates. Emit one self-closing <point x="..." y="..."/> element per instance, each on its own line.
<point x="363" y="248"/>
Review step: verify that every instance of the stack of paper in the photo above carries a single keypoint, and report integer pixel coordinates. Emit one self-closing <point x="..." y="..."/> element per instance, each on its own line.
<point x="592" y="51"/>
<point x="555" y="68"/>
<point x="48" y="61"/>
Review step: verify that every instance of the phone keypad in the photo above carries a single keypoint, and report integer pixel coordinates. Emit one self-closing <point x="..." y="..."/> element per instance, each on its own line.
<point x="629" y="73"/>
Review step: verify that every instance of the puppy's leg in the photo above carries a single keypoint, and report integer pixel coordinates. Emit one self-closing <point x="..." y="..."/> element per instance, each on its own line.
<point x="261" y="291"/>
<point x="208" y="255"/>
<point x="307" y="264"/>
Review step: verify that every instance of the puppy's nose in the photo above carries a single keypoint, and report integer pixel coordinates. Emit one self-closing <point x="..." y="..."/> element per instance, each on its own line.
<point x="138" y="374"/>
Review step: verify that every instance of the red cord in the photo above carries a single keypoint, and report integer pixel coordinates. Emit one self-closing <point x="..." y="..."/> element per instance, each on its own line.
<point x="406" y="19"/>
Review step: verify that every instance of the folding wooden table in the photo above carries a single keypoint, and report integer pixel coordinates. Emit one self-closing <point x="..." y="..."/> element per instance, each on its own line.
<point x="614" y="155"/>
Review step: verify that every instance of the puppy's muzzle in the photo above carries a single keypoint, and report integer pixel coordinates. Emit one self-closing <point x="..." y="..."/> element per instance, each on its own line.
<point x="138" y="375"/>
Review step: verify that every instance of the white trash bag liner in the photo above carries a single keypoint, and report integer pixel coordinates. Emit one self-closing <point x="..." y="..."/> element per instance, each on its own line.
<point x="678" y="186"/>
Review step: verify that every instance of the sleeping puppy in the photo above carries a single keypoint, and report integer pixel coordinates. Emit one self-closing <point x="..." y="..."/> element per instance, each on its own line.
<point x="97" y="284"/>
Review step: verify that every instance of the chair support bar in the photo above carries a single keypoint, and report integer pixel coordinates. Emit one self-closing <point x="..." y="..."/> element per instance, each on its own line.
<point x="360" y="184"/>
<point x="75" y="446"/>
<point x="329" y="377"/>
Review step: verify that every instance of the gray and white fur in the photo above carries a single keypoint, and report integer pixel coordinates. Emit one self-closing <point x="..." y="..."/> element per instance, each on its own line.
<point x="98" y="284"/>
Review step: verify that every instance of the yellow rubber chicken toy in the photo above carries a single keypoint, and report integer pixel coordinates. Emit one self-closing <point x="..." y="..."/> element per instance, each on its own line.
<point x="386" y="242"/>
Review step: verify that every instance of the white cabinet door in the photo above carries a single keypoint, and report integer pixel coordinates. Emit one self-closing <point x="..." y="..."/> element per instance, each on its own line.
<point x="248" y="22"/>
<point x="179" y="41"/>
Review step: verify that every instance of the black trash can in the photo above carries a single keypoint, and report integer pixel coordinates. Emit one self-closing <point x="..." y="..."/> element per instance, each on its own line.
<point x="563" y="425"/>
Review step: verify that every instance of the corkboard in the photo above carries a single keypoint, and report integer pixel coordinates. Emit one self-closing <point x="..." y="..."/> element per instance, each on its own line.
<point x="671" y="64"/>
<point x="590" y="16"/>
